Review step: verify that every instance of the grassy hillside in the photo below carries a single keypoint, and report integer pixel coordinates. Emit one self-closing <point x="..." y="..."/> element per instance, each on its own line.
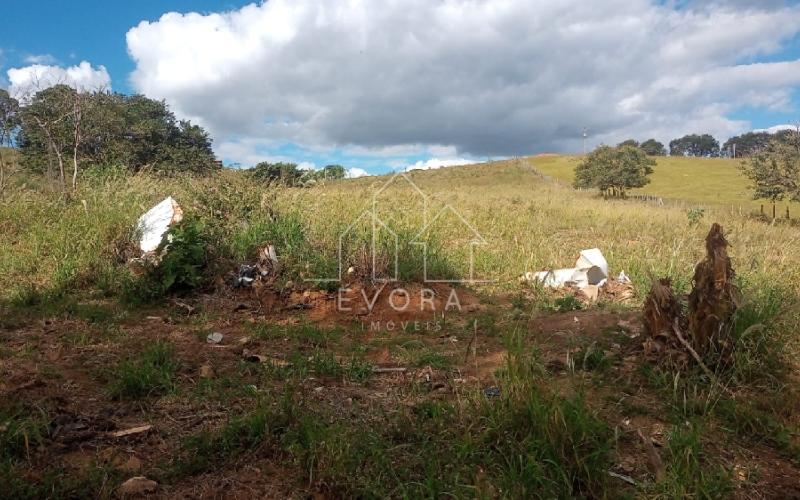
<point x="523" y="392"/>
<point x="706" y="181"/>
<point x="528" y="223"/>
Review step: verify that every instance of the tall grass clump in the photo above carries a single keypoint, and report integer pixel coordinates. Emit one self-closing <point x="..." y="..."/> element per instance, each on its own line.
<point x="688" y="471"/>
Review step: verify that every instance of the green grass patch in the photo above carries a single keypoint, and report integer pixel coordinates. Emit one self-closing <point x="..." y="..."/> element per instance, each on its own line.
<point x="689" y="471"/>
<point x="528" y="442"/>
<point x="149" y="373"/>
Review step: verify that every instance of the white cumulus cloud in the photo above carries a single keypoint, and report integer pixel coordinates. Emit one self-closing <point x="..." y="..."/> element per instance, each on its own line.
<point x="488" y="78"/>
<point x="777" y="128"/>
<point x="355" y="172"/>
<point x="439" y="163"/>
<point x="30" y="79"/>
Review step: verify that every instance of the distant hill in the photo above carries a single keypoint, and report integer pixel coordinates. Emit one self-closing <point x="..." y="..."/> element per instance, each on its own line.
<point x="716" y="181"/>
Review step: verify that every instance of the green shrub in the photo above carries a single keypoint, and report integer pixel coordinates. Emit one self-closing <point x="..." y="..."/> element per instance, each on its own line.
<point x="567" y="304"/>
<point x="180" y="269"/>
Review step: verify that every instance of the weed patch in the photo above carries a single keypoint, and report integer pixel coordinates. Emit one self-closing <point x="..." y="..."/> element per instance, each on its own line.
<point x="150" y="373"/>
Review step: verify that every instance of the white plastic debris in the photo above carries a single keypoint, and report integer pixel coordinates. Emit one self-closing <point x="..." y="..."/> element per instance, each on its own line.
<point x="156" y="222"/>
<point x="559" y="277"/>
<point x="623" y="278"/>
<point x="595" y="265"/>
<point x="214" y="338"/>
<point x="591" y="268"/>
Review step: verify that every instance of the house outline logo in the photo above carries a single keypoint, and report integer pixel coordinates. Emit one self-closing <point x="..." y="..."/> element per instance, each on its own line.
<point x="477" y="240"/>
<point x="376" y="224"/>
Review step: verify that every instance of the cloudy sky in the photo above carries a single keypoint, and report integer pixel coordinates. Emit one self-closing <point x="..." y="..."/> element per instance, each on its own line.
<point x="382" y="85"/>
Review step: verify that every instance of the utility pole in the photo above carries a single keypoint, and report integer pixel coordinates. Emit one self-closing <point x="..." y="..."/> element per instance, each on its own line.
<point x="585" y="135"/>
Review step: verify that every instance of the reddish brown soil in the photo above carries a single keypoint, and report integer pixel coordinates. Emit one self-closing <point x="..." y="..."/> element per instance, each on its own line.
<point x="58" y="364"/>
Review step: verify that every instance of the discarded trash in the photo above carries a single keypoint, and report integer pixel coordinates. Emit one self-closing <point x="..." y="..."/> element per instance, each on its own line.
<point x="559" y="277"/>
<point x="136" y="486"/>
<point x="588" y="280"/>
<point x="259" y="358"/>
<point x="591" y="268"/>
<point x="388" y="369"/>
<point x="492" y="392"/>
<point x="133" y="430"/>
<point x="214" y="338"/>
<point x="152" y="226"/>
<point x="266" y="265"/>
<point x="622" y="477"/>
<point x="247" y="275"/>
<point x="595" y="265"/>
<point x="591" y="292"/>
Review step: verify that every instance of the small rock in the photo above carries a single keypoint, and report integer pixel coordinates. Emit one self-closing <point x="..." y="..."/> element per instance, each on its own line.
<point x="138" y="485"/>
<point x="206" y="371"/>
<point x="214" y="338"/>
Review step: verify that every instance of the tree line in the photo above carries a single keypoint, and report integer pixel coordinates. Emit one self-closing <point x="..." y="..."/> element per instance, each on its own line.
<point x="772" y="164"/>
<point x="705" y="145"/>
<point x="59" y="131"/>
<point x="289" y="174"/>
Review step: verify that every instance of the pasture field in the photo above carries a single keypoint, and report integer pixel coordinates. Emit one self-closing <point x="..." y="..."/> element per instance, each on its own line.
<point x="692" y="181"/>
<point x="519" y="392"/>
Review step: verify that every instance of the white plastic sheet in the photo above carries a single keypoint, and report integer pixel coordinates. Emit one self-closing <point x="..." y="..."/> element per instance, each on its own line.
<point x="591" y="268"/>
<point x="152" y="226"/>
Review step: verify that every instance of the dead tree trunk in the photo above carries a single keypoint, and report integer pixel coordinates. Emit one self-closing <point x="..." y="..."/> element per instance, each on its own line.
<point x="713" y="300"/>
<point x="714" y="296"/>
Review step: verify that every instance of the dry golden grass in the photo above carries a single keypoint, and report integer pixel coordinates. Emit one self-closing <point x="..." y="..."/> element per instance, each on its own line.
<point x="528" y="224"/>
<point x="531" y="224"/>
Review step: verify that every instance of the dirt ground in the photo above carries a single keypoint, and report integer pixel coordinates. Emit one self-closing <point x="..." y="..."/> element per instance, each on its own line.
<point x="58" y="363"/>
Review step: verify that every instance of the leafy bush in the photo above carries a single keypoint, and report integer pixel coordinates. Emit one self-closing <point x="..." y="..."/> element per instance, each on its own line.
<point x="695" y="215"/>
<point x="180" y="268"/>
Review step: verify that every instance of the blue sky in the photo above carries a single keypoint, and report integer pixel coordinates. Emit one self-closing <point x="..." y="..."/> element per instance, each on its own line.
<point x="382" y="87"/>
<point x="90" y="30"/>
